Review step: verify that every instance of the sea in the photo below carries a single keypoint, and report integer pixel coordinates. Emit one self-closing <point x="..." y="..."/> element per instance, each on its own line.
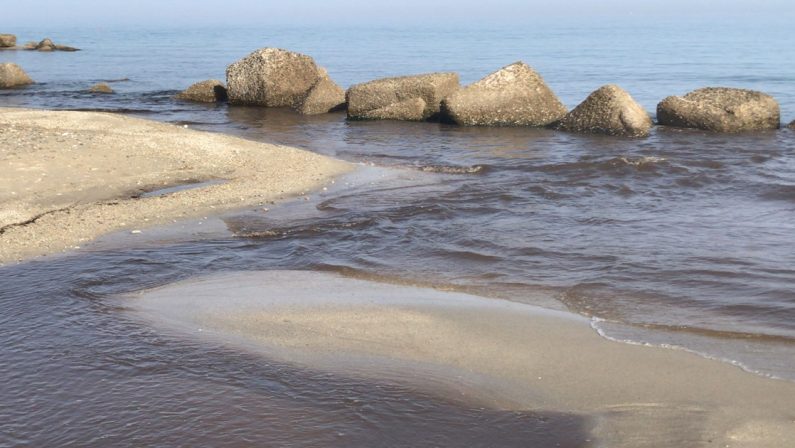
<point x="684" y="239"/>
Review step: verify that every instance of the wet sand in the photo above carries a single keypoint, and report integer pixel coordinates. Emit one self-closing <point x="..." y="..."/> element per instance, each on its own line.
<point x="496" y="353"/>
<point x="69" y="177"/>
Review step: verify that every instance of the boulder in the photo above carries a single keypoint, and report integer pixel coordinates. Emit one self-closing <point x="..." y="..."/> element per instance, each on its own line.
<point x="609" y="110"/>
<point x="325" y="96"/>
<point x="12" y="75"/>
<point x="513" y="96"/>
<point x="367" y="98"/>
<point x="8" y="40"/>
<point x="720" y="109"/>
<point x="101" y="88"/>
<point x="45" y="45"/>
<point x="791" y="125"/>
<point x="271" y="77"/>
<point x="412" y="109"/>
<point x="210" y="91"/>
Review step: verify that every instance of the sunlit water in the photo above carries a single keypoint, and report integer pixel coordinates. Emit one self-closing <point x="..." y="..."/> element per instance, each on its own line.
<point x="683" y="239"/>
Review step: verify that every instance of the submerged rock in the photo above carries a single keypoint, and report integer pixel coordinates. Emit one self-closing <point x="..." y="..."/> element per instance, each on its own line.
<point x="12" y="75"/>
<point x="609" y="110"/>
<point x="8" y="40"/>
<point x="210" y="91"/>
<point x="325" y="96"/>
<point x="721" y="109"/>
<point x="271" y="77"/>
<point x="513" y="96"/>
<point x="101" y="88"/>
<point x="396" y="97"/>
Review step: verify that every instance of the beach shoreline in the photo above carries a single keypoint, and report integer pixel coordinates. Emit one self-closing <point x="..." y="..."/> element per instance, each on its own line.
<point x="70" y="177"/>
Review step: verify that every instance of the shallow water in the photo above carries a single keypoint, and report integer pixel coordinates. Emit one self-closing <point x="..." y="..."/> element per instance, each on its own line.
<point x="683" y="239"/>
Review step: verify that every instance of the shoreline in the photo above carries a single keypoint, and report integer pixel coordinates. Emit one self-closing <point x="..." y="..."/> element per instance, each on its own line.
<point x="493" y="353"/>
<point x="71" y="177"/>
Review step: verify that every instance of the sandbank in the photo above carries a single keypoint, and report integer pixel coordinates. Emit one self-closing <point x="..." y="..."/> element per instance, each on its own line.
<point x="69" y="177"/>
<point x="493" y="352"/>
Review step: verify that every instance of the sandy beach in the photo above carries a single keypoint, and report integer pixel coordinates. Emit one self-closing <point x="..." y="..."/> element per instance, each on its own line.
<point x="492" y="352"/>
<point x="69" y="177"/>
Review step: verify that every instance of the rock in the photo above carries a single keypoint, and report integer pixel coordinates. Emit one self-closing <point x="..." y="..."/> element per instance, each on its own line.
<point x="367" y="98"/>
<point x="45" y="45"/>
<point x="791" y="125"/>
<point x="210" y="91"/>
<point x="271" y="77"/>
<point x="413" y="109"/>
<point x="720" y="109"/>
<point x="12" y="75"/>
<point x="48" y="45"/>
<point x="609" y="110"/>
<point x="325" y="96"/>
<point x="8" y="40"/>
<point x="513" y="96"/>
<point x="101" y="88"/>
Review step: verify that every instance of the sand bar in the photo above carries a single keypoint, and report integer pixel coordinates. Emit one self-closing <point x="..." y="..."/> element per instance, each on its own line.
<point x="68" y="177"/>
<point x="498" y="353"/>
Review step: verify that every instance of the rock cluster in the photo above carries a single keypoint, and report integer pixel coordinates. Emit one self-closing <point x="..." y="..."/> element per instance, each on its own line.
<point x="513" y="96"/>
<point x="8" y="40"/>
<point x="101" y="88"/>
<point x="12" y="75"/>
<point x="720" y="109"/>
<point x="47" y="45"/>
<point x="609" y="110"/>
<point x="210" y="91"/>
<point x="410" y="98"/>
<point x="272" y="77"/>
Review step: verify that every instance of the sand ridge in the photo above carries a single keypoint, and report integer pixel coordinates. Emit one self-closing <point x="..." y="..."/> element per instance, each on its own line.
<point x="68" y="177"/>
<point x="518" y="356"/>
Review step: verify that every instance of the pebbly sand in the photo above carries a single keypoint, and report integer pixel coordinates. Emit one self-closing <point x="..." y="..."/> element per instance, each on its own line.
<point x="69" y="177"/>
<point x="492" y="352"/>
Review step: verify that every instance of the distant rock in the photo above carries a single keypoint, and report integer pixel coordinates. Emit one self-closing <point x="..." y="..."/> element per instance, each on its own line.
<point x="210" y="91"/>
<point x="8" y="40"/>
<point x="609" y="110"/>
<point x="271" y="77"/>
<point x="392" y="95"/>
<point x="791" y="125"/>
<point x="325" y="96"/>
<point x="720" y="109"/>
<point x="12" y="75"/>
<point x="47" y="45"/>
<point x="513" y="96"/>
<point x="101" y="88"/>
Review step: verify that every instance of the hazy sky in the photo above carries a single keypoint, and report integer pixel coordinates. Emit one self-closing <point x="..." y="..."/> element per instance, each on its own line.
<point x="364" y="12"/>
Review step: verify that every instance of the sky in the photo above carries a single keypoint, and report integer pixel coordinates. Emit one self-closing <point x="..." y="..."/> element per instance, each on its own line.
<point x="371" y="12"/>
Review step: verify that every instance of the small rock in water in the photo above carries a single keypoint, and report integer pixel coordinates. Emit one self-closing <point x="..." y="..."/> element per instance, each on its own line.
<point x="101" y="88"/>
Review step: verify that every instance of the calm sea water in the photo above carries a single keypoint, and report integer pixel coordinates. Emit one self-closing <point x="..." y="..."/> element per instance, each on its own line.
<point x="684" y="238"/>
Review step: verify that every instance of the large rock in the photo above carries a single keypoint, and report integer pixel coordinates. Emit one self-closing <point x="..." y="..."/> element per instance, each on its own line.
<point x="45" y="45"/>
<point x="210" y="91"/>
<point x="48" y="45"/>
<point x="12" y="75"/>
<point x="325" y="96"/>
<point x="271" y="77"/>
<point x="101" y="88"/>
<point x="409" y="110"/>
<point x="366" y="98"/>
<point x="8" y="40"/>
<point x="791" y="125"/>
<point x="720" y="109"/>
<point x="513" y="96"/>
<point x="609" y="110"/>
